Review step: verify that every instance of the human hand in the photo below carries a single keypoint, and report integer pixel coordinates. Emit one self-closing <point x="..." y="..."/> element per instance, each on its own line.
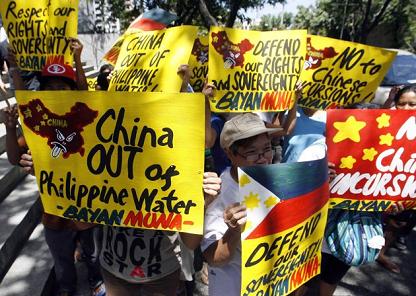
<point x="209" y="90"/>
<point x="26" y="162"/>
<point x="211" y="186"/>
<point x="184" y="72"/>
<point x="76" y="47"/>
<point x="395" y="208"/>
<point x="10" y="115"/>
<point x="235" y="216"/>
<point x="298" y="90"/>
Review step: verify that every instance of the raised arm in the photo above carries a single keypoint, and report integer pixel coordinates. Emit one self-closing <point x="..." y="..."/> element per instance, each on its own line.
<point x="221" y="251"/>
<point x="210" y="132"/>
<point x="185" y="73"/>
<point x="14" y="70"/>
<point x="77" y="47"/>
<point x="13" y="148"/>
<point x="288" y="122"/>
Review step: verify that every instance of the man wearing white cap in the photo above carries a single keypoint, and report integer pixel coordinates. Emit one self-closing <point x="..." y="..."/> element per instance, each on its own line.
<point x="246" y="141"/>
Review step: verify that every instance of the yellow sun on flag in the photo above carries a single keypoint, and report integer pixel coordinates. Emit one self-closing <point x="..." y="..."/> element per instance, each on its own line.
<point x="369" y="154"/>
<point x="349" y="129"/>
<point x="244" y="180"/>
<point x="251" y="201"/>
<point x="271" y="201"/>
<point x="383" y="120"/>
<point x="386" y="139"/>
<point x="347" y="162"/>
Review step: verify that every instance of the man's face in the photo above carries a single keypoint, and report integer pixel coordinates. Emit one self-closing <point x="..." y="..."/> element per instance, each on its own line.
<point x="259" y="151"/>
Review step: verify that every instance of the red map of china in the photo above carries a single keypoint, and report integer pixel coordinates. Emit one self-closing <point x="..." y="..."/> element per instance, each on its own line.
<point x="232" y="53"/>
<point x="315" y="56"/>
<point x="64" y="132"/>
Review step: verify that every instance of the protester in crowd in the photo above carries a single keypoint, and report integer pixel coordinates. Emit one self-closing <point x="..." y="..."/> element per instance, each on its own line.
<point x="398" y="226"/>
<point x="191" y="260"/>
<point x="154" y="260"/>
<point x="246" y="141"/>
<point x="309" y="127"/>
<point x="271" y="120"/>
<point x="103" y="77"/>
<point x="59" y="233"/>
<point x="147" y="262"/>
<point x="334" y="266"/>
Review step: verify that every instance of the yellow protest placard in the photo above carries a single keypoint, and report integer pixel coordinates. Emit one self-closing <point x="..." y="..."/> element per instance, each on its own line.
<point x="39" y="31"/>
<point x="282" y="238"/>
<point x="341" y="73"/>
<point x="149" y="60"/>
<point x="92" y="83"/>
<point x="254" y="71"/>
<point x="279" y="264"/>
<point x="104" y="157"/>
<point x="111" y="56"/>
<point x="198" y="62"/>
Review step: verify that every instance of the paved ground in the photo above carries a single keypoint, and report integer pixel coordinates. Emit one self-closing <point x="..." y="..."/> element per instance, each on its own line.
<point x="374" y="280"/>
<point x="368" y="280"/>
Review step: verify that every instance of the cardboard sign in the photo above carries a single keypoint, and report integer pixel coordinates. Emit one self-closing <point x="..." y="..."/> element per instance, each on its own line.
<point x="341" y="73"/>
<point x="254" y="71"/>
<point x="151" y="20"/>
<point x="39" y="31"/>
<point x="104" y="157"/>
<point x="199" y="63"/>
<point x="149" y="60"/>
<point x="112" y="54"/>
<point x="92" y="83"/>
<point x="286" y="216"/>
<point x="374" y="156"/>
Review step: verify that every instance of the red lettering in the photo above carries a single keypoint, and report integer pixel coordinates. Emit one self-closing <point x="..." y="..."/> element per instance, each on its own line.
<point x="154" y="220"/>
<point x="276" y="101"/>
<point x="137" y="271"/>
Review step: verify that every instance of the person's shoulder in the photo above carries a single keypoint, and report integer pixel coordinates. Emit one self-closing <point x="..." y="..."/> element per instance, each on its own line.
<point x="319" y="115"/>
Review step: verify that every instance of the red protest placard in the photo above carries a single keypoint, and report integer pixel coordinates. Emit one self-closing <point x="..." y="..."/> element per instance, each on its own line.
<point x="374" y="153"/>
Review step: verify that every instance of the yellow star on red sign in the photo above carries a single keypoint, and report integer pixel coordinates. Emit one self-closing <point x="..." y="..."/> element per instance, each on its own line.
<point x="347" y="162"/>
<point x="383" y="120"/>
<point x="369" y="154"/>
<point x="45" y="116"/>
<point x="349" y="129"/>
<point x="386" y="139"/>
<point x="39" y="108"/>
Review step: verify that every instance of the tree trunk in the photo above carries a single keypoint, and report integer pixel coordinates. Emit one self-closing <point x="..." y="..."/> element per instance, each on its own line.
<point x="208" y="19"/>
<point x="367" y="26"/>
<point x="235" y="6"/>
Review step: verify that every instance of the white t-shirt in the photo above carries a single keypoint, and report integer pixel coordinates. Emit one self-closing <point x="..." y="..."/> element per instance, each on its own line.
<point x="225" y="279"/>
<point x="317" y="150"/>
